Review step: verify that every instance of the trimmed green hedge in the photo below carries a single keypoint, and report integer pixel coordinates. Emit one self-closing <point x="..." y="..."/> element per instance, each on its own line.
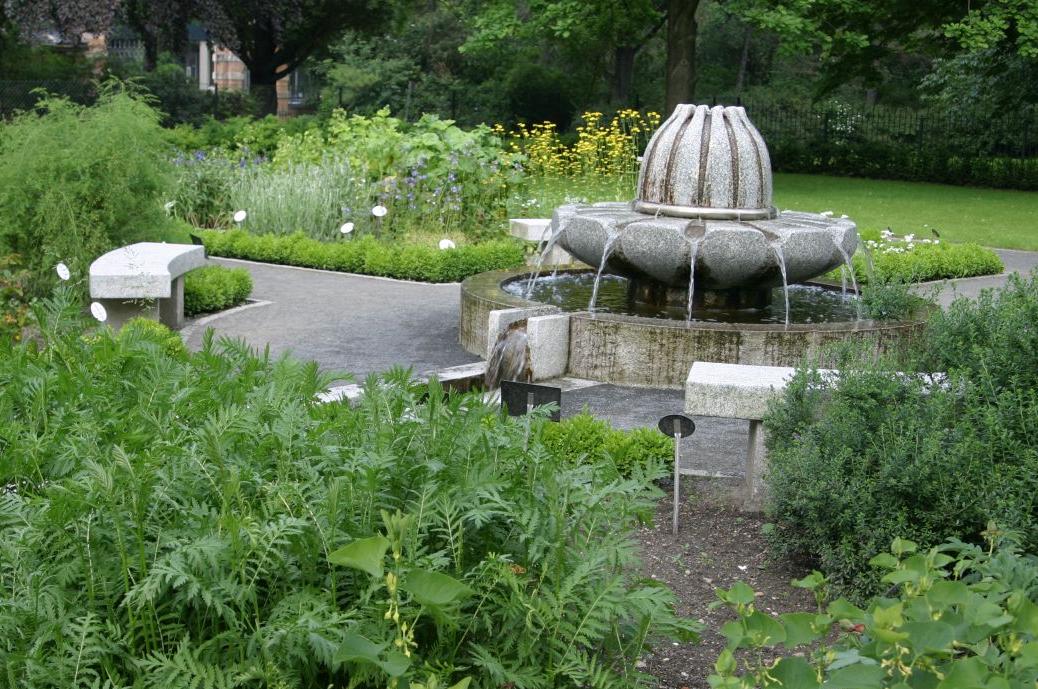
<point x="367" y="255"/>
<point x="907" y="259"/>
<point x="215" y="288"/>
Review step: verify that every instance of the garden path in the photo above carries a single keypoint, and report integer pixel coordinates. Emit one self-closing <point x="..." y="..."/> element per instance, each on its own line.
<point x="1015" y="261"/>
<point x="344" y="322"/>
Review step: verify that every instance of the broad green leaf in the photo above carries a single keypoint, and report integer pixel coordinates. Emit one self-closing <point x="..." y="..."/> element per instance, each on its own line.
<point x="740" y="594"/>
<point x="356" y="647"/>
<point x="884" y="560"/>
<point x="803" y="627"/>
<point x="395" y="664"/>
<point x="463" y="684"/>
<point x="764" y="630"/>
<point x="810" y="582"/>
<point x="850" y="657"/>
<point x="734" y="632"/>
<point x="434" y="588"/>
<point x="929" y="635"/>
<point x="1028" y="657"/>
<point x="1026" y="614"/>
<point x="890" y="616"/>
<point x="903" y="546"/>
<point x="843" y="609"/>
<point x="794" y="673"/>
<point x="965" y="673"/>
<point x="855" y="677"/>
<point x="365" y="554"/>
<point x="947" y="593"/>
<point x="725" y="663"/>
<point x="901" y="576"/>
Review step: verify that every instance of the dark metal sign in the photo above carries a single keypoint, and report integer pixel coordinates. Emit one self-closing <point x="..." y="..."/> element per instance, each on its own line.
<point x="522" y="398"/>
<point x="674" y="424"/>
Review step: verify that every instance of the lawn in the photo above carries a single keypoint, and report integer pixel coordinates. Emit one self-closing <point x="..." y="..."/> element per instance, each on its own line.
<point x="991" y="217"/>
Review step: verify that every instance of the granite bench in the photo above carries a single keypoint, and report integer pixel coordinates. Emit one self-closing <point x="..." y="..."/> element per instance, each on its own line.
<point x="144" y="280"/>
<point x="738" y="391"/>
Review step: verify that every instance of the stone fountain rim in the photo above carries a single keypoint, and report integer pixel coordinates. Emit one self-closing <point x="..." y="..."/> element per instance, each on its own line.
<point x="704" y="213"/>
<point x="482" y="283"/>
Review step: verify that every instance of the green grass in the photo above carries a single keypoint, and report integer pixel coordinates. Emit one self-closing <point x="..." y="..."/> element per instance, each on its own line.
<point x="990" y="217"/>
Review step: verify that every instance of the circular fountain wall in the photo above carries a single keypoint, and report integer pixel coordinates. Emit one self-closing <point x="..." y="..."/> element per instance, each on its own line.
<point x="658" y="352"/>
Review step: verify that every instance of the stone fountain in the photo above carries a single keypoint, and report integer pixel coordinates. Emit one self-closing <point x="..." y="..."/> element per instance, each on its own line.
<point x="703" y="230"/>
<point x="703" y="240"/>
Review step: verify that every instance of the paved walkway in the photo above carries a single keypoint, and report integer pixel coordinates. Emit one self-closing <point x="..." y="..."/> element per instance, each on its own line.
<point x="344" y="322"/>
<point x="948" y="290"/>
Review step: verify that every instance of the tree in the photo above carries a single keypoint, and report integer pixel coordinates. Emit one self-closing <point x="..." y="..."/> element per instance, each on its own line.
<point x="274" y="37"/>
<point x="854" y="38"/>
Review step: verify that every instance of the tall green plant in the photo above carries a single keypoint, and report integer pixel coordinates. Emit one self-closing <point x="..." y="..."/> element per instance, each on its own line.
<point x="78" y="181"/>
<point x="171" y="520"/>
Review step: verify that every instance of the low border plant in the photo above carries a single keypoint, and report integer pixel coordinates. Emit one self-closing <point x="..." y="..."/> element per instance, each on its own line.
<point x="214" y="288"/>
<point x="369" y="256"/>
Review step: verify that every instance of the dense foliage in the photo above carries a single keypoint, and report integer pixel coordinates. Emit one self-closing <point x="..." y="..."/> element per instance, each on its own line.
<point x="887" y="257"/>
<point x="214" y="288"/>
<point x="956" y="616"/>
<point x="864" y="455"/>
<point x="584" y="439"/>
<point x="78" y="181"/>
<point x="199" y="520"/>
<point x="427" y="175"/>
<point x="369" y="256"/>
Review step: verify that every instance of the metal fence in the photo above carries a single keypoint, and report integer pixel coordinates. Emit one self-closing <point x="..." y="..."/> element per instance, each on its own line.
<point x="23" y="95"/>
<point x="1010" y="134"/>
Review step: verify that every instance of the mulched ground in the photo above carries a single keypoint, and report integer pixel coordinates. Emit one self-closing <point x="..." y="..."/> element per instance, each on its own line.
<point x="716" y="546"/>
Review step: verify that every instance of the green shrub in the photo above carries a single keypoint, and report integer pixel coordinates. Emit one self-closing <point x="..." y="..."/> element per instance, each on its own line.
<point x="870" y="455"/>
<point x="583" y="438"/>
<point x="144" y="330"/>
<point x="14" y="300"/>
<point x="368" y="256"/>
<point x="956" y="616"/>
<point x="215" y="288"/>
<point x="910" y="259"/>
<point x="202" y="521"/>
<point x="79" y="181"/>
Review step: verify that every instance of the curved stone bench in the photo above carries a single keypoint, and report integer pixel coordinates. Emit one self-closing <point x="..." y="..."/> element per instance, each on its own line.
<point x="144" y="280"/>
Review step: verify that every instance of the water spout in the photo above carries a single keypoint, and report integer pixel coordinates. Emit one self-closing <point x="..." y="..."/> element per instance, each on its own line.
<point x="548" y="246"/>
<point x="850" y="267"/>
<point x="777" y="248"/>
<point x="693" y="250"/>
<point x="606" y="251"/>
<point x="510" y="357"/>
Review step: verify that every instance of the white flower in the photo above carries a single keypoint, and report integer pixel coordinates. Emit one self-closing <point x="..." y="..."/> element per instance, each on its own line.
<point x="63" y="271"/>
<point x="239" y="216"/>
<point x="98" y="312"/>
<point x="379" y="211"/>
<point x="827" y="214"/>
<point x="911" y="246"/>
<point x="346" y="228"/>
<point x="909" y="237"/>
<point x="446" y="244"/>
<point x="937" y="241"/>
<point x="169" y="206"/>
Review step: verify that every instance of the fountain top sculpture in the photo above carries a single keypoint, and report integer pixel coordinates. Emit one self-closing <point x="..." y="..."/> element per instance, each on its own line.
<point x="707" y="163"/>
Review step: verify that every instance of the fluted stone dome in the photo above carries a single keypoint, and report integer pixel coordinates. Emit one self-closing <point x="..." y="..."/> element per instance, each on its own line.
<point x="708" y="163"/>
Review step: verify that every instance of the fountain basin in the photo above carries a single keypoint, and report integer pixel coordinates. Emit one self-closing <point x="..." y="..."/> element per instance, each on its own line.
<point x="729" y="253"/>
<point x="658" y="352"/>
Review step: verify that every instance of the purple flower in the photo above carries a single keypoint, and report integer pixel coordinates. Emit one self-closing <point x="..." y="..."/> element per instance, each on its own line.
<point x="199" y="156"/>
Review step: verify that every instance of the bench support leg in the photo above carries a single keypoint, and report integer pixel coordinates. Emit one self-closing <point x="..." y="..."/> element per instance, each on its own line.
<point x="756" y="458"/>
<point x="171" y="311"/>
<point x="121" y="310"/>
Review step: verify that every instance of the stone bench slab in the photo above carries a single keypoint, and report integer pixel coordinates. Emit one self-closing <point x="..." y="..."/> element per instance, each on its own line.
<point x="145" y="270"/>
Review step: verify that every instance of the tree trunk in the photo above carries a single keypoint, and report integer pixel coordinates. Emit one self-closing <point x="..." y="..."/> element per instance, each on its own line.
<point x="744" y="61"/>
<point x="681" y="52"/>
<point x="264" y="90"/>
<point x="623" y="73"/>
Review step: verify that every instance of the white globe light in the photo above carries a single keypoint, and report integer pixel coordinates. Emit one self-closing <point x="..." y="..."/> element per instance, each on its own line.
<point x="98" y="312"/>
<point x="379" y="211"/>
<point x="446" y="244"/>
<point x="63" y="271"/>
<point x="346" y="228"/>
<point x="239" y="216"/>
